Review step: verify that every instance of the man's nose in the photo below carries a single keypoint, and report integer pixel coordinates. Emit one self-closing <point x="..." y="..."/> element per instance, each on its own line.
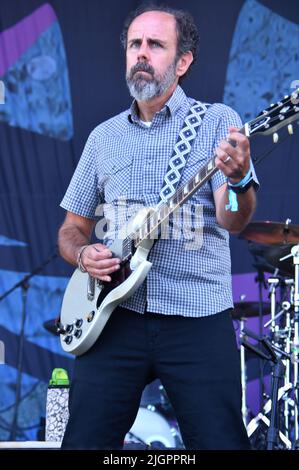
<point x="143" y="52"/>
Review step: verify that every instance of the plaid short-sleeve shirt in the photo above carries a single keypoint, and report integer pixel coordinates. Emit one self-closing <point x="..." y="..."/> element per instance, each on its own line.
<point x="124" y="159"/>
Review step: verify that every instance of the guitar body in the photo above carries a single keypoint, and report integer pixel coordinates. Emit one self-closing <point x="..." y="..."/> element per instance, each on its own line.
<point x="87" y="303"/>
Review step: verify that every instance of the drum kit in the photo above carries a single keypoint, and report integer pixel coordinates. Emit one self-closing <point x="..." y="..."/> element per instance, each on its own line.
<point x="275" y="247"/>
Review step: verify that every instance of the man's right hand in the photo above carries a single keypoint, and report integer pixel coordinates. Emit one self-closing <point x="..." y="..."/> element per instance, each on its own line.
<point x="98" y="262"/>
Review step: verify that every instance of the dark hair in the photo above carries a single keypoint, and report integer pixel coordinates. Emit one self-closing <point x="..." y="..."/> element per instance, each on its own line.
<point x="187" y="32"/>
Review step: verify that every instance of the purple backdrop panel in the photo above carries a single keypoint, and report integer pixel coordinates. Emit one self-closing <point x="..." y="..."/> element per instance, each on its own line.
<point x="27" y="31"/>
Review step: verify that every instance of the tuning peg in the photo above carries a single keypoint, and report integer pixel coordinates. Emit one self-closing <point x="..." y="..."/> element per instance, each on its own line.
<point x="290" y="129"/>
<point x="275" y="137"/>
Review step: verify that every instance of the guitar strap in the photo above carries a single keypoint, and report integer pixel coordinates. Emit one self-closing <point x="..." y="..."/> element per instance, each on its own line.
<point x="182" y="150"/>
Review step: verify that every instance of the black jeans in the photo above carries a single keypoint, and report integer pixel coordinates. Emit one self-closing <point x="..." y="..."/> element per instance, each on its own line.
<point x="196" y="360"/>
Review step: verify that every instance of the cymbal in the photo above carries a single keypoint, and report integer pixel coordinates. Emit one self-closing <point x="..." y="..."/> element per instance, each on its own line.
<point x="249" y="309"/>
<point x="271" y="233"/>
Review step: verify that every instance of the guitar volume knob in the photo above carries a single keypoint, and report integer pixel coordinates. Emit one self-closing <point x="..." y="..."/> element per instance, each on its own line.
<point x="68" y="339"/>
<point x="69" y="328"/>
<point x="78" y="323"/>
<point x="78" y="333"/>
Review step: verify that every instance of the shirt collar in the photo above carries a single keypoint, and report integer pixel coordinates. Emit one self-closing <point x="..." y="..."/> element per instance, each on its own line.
<point x="171" y="106"/>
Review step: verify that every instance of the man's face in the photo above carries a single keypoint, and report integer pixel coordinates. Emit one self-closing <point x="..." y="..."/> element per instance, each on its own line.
<point x="151" y="54"/>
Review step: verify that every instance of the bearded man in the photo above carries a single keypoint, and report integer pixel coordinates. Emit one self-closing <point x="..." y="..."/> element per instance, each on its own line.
<point x="177" y="325"/>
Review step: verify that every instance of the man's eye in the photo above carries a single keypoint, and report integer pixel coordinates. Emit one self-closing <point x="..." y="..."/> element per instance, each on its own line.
<point x="134" y="44"/>
<point x="156" y="44"/>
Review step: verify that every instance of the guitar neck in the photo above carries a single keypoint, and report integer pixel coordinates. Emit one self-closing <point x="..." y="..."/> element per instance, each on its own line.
<point x="151" y="227"/>
<point x="269" y="121"/>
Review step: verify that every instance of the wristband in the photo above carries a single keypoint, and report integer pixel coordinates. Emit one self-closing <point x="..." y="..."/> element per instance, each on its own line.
<point x="244" y="184"/>
<point x="79" y="260"/>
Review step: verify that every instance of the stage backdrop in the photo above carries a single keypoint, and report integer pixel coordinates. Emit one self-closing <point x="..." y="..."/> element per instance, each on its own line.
<point x="62" y="73"/>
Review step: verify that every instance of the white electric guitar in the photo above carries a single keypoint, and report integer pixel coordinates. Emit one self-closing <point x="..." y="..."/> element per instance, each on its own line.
<point x="88" y="303"/>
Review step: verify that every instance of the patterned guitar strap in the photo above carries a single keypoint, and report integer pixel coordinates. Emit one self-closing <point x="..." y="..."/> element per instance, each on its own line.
<point x="182" y="150"/>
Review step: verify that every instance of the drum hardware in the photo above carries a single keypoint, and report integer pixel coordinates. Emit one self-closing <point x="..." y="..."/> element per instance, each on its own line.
<point x="155" y="410"/>
<point x="288" y="338"/>
<point x="241" y="312"/>
<point x="261" y="265"/>
<point x="244" y="408"/>
<point x="262" y="417"/>
<point x="131" y="439"/>
<point x="274" y="354"/>
<point x="295" y="352"/>
<point x="276" y="256"/>
<point x="280" y="257"/>
<point x="281" y="333"/>
<point x="273" y="284"/>
<point x="152" y="429"/>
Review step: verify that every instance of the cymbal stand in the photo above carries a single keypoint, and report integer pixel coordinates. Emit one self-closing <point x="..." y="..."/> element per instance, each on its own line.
<point x="286" y="333"/>
<point x="285" y="306"/>
<point x="295" y="348"/>
<point x="287" y="377"/>
<point x="243" y="372"/>
<point x="273" y="283"/>
<point x="295" y="345"/>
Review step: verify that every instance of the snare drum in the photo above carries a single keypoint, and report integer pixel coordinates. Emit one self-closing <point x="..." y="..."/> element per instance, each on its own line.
<point x="151" y="428"/>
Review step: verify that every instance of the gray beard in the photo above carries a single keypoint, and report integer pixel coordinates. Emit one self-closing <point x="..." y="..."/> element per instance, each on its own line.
<point x="145" y="90"/>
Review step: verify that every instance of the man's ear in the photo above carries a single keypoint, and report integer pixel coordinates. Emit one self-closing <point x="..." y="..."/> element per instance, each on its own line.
<point x="184" y="63"/>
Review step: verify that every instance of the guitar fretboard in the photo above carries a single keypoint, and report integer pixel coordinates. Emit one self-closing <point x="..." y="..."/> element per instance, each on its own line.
<point x="150" y="229"/>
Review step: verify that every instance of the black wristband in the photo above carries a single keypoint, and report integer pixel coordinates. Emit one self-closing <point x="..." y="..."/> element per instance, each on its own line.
<point x="241" y="189"/>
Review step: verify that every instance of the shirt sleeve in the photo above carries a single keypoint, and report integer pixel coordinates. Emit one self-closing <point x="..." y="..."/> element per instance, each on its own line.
<point x="83" y="195"/>
<point x="229" y="118"/>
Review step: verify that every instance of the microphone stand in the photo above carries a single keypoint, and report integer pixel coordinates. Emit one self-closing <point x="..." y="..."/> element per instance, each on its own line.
<point x="24" y="285"/>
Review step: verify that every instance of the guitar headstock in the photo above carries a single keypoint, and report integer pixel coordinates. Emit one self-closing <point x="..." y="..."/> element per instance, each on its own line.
<point x="276" y="116"/>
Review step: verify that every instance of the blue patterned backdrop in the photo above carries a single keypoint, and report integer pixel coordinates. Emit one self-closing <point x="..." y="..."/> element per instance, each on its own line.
<point x="63" y="70"/>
